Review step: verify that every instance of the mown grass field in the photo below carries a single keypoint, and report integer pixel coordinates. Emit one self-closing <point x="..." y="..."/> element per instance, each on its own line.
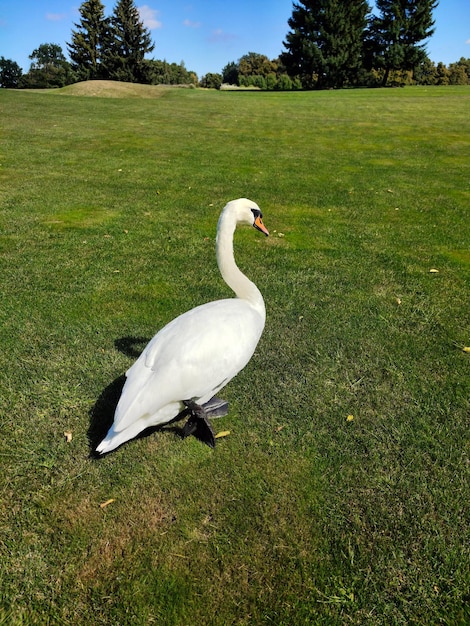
<point x="341" y="495"/>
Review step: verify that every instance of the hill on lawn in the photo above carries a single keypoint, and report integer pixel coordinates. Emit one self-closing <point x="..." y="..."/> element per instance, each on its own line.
<point x="112" y="89"/>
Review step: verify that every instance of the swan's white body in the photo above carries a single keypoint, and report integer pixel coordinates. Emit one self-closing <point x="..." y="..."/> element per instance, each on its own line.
<point x="199" y="352"/>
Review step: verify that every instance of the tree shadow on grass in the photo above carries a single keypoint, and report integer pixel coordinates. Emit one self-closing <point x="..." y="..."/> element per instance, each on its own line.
<point x="102" y="413"/>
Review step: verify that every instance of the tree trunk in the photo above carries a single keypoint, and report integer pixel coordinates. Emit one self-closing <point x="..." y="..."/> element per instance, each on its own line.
<point x="385" y="78"/>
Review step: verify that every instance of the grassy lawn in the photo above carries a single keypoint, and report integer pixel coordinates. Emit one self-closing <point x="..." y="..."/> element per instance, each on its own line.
<point x="341" y="495"/>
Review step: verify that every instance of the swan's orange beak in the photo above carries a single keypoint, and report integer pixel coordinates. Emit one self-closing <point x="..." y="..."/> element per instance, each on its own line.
<point x="260" y="226"/>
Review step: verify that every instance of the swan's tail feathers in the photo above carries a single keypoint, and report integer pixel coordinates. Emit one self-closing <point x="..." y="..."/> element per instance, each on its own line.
<point x="115" y="439"/>
<point x="117" y="436"/>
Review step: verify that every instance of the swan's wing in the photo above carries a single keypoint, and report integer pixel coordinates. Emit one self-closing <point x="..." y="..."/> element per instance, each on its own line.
<point x="192" y="357"/>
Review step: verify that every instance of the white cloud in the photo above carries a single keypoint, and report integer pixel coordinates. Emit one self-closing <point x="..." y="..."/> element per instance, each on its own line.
<point x="55" y="17"/>
<point x="149" y="17"/>
<point x="468" y="41"/>
<point x="219" y="36"/>
<point x="192" y="24"/>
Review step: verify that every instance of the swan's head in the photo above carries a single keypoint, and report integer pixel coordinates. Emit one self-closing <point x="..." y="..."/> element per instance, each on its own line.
<point x="247" y="212"/>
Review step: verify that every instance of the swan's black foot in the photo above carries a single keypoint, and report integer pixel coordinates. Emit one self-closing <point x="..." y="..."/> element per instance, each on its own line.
<point x="198" y="424"/>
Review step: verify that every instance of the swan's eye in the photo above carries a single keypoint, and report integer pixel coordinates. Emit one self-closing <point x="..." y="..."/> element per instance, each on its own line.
<point x="257" y="213"/>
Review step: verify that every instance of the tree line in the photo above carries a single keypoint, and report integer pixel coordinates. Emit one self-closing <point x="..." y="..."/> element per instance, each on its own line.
<point x="259" y="72"/>
<point x="330" y="44"/>
<point x="100" y="48"/>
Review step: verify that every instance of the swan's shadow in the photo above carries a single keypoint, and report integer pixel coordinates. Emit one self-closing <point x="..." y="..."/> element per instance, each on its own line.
<point x="131" y="346"/>
<point x="102" y="413"/>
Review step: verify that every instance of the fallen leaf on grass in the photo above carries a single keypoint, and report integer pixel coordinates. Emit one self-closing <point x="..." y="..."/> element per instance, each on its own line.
<point x="433" y="270"/>
<point x="68" y="436"/>
<point x="466" y="348"/>
<point x="223" y="433"/>
<point x="279" y="428"/>
<point x="350" y="418"/>
<point x="103" y="505"/>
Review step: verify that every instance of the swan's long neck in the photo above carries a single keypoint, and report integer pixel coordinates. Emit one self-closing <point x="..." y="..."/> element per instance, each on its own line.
<point x="235" y="279"/>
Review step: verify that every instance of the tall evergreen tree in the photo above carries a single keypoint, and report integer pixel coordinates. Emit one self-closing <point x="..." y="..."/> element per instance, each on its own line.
<point x="392" y="40"/>
<point x="90" y="41"/>
<point x="130" y="43"/>
<point x="230" y="73"/>
<point x="325" y="45"/>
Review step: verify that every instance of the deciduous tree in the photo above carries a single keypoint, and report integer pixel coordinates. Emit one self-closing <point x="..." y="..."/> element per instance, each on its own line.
<point x="211" y="81"/>
<point x="157" y="72"/>
<point x="459" y="72"/>
<point x="442" y="74"/>
<point x="49" y="68"/>
<point x="425" y="73"/>
<point x="10" y="73"/>
<point x="255" y="64"/>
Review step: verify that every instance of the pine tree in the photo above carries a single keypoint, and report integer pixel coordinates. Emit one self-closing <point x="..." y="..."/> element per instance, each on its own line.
<point x="90" y="41"/>
<point x="130" y="43"/>
<point x="393" y="36"/>
<point x="230" y="73"/>
<point x="325" y="45"/>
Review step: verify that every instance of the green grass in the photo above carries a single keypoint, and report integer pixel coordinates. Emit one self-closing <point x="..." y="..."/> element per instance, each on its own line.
<point x="108" y="210"/>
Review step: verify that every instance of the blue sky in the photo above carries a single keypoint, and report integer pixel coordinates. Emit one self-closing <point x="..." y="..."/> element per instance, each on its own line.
<point x="205" y="34"/>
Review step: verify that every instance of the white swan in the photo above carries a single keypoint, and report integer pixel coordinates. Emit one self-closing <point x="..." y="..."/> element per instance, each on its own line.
<point x="189" y="360"/>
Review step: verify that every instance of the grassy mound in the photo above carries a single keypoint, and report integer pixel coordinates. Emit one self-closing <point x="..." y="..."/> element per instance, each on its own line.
<point x="112" y="89"/>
